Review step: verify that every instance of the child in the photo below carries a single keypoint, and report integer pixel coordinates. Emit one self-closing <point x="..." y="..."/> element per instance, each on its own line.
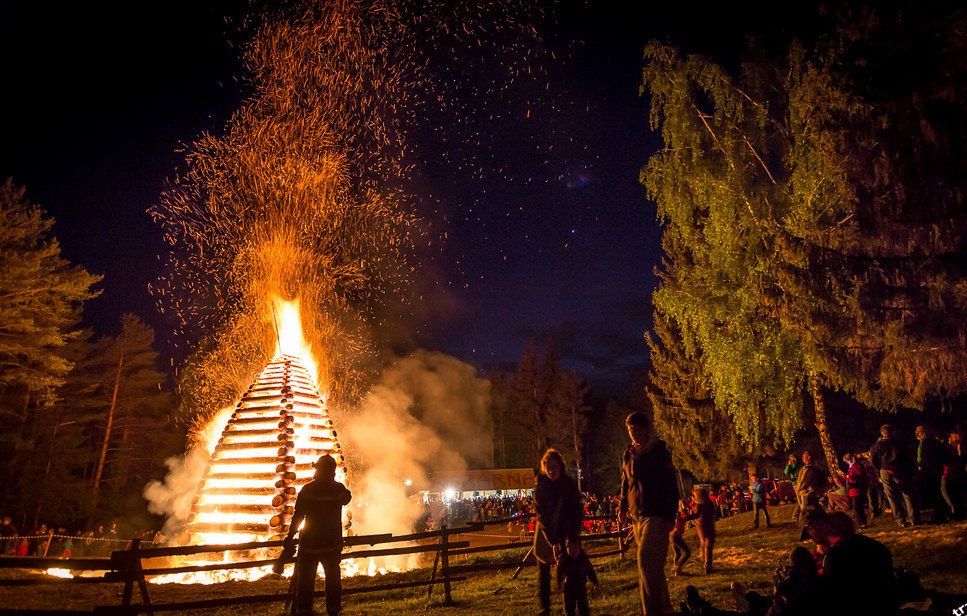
<point x="574" y="569"/>
<point x="705" y="514"/>
<point x="682" y="552"/>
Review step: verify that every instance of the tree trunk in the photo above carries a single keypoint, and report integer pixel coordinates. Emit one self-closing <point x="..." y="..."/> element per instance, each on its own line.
<point x="577" y="447"/>
<point x="96" y="484"/>
<point x="823" y="428"/>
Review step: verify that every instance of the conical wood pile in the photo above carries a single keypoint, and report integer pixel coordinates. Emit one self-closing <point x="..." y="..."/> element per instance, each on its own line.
<point x="265" y="455"/>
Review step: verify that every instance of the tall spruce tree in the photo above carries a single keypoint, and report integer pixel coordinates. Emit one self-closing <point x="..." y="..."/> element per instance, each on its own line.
<point x="548" y="405"/>
<point x="41" y="297"/>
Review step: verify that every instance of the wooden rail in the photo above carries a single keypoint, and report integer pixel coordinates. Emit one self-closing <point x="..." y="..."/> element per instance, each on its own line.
<point x="128" y="567"/>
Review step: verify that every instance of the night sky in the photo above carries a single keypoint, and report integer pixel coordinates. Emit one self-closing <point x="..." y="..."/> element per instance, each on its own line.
<point x="553" y="240"/>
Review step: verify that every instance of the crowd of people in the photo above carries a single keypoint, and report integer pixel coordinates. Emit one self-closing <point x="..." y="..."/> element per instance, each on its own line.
<point x="916" y="482"/>
<point x="922" y="480"/>
<point x="59" y="542"/>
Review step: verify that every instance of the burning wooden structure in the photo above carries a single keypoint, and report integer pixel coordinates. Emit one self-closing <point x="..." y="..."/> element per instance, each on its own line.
<point x="266" y="452"/>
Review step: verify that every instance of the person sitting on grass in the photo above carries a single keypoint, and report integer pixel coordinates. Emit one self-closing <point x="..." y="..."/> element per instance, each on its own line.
<point x="856" y="577"/>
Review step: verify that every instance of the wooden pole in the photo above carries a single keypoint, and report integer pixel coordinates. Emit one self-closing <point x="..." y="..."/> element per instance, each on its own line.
<point x="445" y="565"/>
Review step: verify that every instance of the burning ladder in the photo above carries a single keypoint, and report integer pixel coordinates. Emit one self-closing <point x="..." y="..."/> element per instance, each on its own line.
<point x="266" y="453"/>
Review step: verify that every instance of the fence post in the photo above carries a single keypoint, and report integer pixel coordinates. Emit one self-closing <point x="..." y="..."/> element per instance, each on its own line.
<point x="445" y="564"/>
<point x="50" y="538"/>
<point x="129" y="562"/>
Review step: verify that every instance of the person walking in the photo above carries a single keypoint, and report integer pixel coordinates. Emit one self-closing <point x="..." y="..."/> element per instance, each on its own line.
<point x="649" y="497"/>
<point x="682" y="551"/>
<point x="319" y="509"/>
<point x="895" y="465"/>
<point x="704" y="512"/>
<point x="757" y="490"/>
<point x="557" y="502"/>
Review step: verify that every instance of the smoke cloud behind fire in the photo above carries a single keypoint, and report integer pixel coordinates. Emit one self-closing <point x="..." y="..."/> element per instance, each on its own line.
<point x="428" y="412"/>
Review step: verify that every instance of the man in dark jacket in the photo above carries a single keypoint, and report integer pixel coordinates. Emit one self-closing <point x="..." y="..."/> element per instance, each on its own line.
<point x="895" y="465"/>
<point x="930" y="466"/>
<point x="649" y="497"/>
<point x="319" y="504"/>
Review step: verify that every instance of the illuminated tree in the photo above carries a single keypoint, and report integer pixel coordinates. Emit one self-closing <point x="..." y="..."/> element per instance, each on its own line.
<point x="815" y="211"/>
<point x="41" y="295"/>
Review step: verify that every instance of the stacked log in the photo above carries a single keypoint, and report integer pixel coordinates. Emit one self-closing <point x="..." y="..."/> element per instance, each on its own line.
<point x="278" y="430"/>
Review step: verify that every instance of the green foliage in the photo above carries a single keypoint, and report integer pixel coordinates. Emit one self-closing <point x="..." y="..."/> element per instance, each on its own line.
<point x="141" y="434"/>
<point x="701" y="437"/>
<point x="40" y="296"/>
<point x="814" y="220"/>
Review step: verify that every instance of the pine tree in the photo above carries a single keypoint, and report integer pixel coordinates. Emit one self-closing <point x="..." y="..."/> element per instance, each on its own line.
<point x="548" y="405"/>
<point x="121" y="397"/>
<point x="40" y="296"/>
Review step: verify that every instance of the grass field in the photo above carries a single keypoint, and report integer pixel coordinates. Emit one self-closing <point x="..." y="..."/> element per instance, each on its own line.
<point x="936" y="553"/>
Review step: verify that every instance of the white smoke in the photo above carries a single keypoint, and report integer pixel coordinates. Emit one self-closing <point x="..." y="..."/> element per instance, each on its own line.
<point x="172" y="497"/>
<point x="428" y="412"/>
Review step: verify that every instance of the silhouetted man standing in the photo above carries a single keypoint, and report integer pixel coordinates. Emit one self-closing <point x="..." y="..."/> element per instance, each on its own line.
<point x="649" y="497"/>
<point x="896" y="466"/>
<point x="320" y="505"/>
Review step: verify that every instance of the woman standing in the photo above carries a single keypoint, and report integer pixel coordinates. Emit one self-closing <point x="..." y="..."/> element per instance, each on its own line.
<point x="558" y="504"/>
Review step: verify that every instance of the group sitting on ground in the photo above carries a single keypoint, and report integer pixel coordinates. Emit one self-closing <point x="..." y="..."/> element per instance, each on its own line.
<point x="848" y="574"/>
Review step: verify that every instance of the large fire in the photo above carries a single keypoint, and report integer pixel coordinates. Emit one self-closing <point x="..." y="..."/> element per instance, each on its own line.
<point x="262" y="452"/>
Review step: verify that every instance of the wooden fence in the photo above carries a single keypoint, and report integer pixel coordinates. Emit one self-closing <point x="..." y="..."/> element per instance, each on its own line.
<point x="127" y="566"/>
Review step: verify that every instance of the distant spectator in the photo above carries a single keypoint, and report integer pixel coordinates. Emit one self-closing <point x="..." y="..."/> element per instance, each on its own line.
<point x="874" y="489"/>
<point x="810" y="484"/>
<point x="9" y="534"/>
<point x="896" y="466"/>
<point x="792" y="472"/>
<point x="758" y="492"/>
<point x="856" y="488"/>
<point x="927" y="480"/>
<point x="954" y="481"/>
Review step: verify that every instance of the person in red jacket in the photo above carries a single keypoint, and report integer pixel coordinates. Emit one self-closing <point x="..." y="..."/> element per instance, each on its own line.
<point x="856" y="488"/>
<point x="704" y="512"/>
